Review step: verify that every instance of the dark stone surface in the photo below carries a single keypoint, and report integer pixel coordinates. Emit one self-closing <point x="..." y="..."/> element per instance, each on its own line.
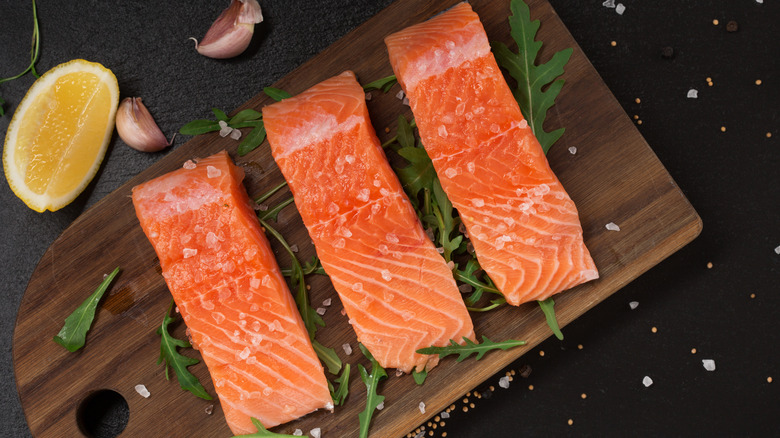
<point x="730" y="177"/>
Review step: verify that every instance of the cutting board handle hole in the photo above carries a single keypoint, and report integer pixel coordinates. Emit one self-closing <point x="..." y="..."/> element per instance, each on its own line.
<point x="103" y="414"/>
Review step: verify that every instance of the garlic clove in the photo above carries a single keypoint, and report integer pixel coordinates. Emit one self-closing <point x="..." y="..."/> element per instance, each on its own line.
<point x="231" y="33"/>
<point x="137" y="128"/>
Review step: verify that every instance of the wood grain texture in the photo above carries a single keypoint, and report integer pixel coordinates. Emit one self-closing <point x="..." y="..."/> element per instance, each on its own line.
<point x="613" y="177"/>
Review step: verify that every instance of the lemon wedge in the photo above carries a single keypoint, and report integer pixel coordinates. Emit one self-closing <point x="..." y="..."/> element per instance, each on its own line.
<point x="59" y="134"/>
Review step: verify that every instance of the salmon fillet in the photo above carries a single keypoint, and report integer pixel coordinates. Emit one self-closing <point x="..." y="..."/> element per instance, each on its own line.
<point x="524" y="226"/>
<point x="398" y="292"/>
<point x="229" y="290"/>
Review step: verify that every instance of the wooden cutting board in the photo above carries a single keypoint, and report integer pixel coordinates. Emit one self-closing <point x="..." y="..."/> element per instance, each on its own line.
<point x="613" y="177"/>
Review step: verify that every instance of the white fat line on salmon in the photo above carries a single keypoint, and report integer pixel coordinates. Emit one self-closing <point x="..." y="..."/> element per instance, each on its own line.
<point x="314" y="131"/>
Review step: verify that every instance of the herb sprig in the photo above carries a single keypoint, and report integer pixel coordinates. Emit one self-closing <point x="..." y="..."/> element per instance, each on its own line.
<point x="384" y="84"/>
<point x="340" y="395"/>
<point x="247" y="118"/>
<point x="373" y="399"/>
<point x="34" y="52"/>
<point x="73" y="334"/>
<point x="470" y="347"/>
<point x="170" y="355"/>
<point x="532" y="78"/>
<point x="262" y="432"/>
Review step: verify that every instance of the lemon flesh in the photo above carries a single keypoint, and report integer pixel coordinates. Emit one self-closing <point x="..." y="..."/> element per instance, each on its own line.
<point x="59" y="134"/>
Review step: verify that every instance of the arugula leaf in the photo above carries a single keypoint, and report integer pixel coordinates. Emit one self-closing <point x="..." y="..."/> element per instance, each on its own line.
<point x="247" y="115"/>
<point x="172" y="358"/>
<point x="419" y="378"/>
<point x="419" y="174"/>
<point x="2" y="110"/>
<point x="384" y="84"/>
<point x="197" y="127"/>
<point x="373" y="399"/>
<point x="276" y="94"/>
<point x="273" y="214"/>
<point x="531" y="78"/>
<point x="328" y="356"/>
<point x="73" y="334"/>
<point x="253" y="139"/>
<point x="220" y="114"/>
<point x="262" y="432"/>
<point x="443" y="210"/>
<point x="340" y="395"/>
<point x="262" y="198"/>
<point x="471" y="347"/>
<point x="548" y="307"/>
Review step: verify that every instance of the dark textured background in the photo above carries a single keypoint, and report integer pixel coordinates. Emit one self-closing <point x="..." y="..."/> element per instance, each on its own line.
<point x="730" y="177"/>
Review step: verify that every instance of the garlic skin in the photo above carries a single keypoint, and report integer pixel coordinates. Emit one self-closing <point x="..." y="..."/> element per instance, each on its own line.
<point x="137" y="128"/>
<point x="231" y="33"/>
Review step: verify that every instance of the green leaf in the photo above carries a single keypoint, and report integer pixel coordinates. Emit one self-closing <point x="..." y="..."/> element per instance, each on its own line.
<point x="384" y="84"/>
<point x="262" y="198"/>
<point x="2" y="110"/>
<point x="532" y="78"/>
<point x="253" y="139"/>
<point x="327" y="356"/>
<point x="276" y="94"/>
<point x="548" y="307"/>
<point x="247" y="115"/>
<point x="262" y="432"/>
<point x="419" y="174"/>
<point x="73" y="334"/>
<point x="197" y="127"/>
<point x="220" y="115"/>
<point x="34" y="52"/>
<point x="373" y="399"/>
<point x="405" y="134"/>
<point x="419" y="378"/>
<point x="445" y="222"/>
<point x="340" y="395"/>
<point x="471" y="347"/>
<point x="170" y="355"/>
<point x="273" y="214"/>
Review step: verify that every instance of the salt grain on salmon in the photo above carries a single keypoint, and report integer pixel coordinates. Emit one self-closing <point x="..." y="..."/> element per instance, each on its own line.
<point x="421" y="307"/>
<point x="217" y="289"/>
<point x="484" y="147"/>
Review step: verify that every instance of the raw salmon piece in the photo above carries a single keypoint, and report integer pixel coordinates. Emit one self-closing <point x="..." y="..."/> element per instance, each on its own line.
<point x="524" y="227"/>
<point x="397" y="290"/>
<point x="226" y="283"/>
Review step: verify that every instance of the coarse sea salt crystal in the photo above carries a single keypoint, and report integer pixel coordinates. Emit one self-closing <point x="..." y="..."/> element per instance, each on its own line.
<point x="478" y="202"/>
<point x="445" y="415"/>
<point x="297" y="432"/>
<point x="212" y="172"/>
<point x="244" y="353"/>
<point x="451" y="172"/>
<point x="321" y="311"/>
<point x="400" y="95"/>
<point x="368" y="96"/>
<point x="392" y="238"/>
<point x="633" y="304"/>
<point x="647" y="381"/>
<point x="609" y="3"/>
<point x="612" y="226"/>
<point x="189" y="165"/>
<point x="209" y="409"/>
<point x="422" y="407"/>
<point x="693" y="93"/>
<point x="189" y="252"/>
<point x="327" y="302"/>
<point x="708" y="364"/>
<point x="316" y="432"/>
<point x="573" y="150"/>
<point x="380" y="406"/>
<point x="363" y="195"/>
<point x="504" y="382"/>
<point x="386" y="275"/>
<point x="235" y="134"/>
<point x="141" y="389"/>
<point x="347" y="349"/>
<point x="619" y="8"/>
<point x="294" y="248"/>
<point x="777" y="250"/>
